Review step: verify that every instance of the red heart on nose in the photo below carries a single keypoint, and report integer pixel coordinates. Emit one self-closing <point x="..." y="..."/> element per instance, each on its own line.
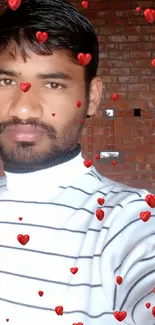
<point x="14" y="4"/>
<point x="59" y="310"/>
<point x="25" y="86"/>
<point x="84" y="59"/>
<point x="145" y="216"/>
<point x="150" y="199"/>
<point x="42" y="36"/>
<point x="23" y="239"/>
<point x="120" y="315"/>
<point x="74" y="270"/>
<point x="100" y="201"/>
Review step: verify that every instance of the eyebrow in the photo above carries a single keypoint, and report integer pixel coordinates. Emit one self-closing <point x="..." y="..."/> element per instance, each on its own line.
<point x="56" y="75"/>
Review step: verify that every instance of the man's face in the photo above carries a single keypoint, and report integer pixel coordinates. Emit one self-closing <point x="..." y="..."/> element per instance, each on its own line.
<point x="51" y="134"/>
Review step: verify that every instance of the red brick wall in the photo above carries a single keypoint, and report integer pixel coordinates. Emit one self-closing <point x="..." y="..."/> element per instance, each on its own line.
<point x="127" y="46"/>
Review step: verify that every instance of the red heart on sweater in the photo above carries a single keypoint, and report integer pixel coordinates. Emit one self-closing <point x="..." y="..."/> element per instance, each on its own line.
<point x="74" y="270"/>
<point x="42" y="36"/>
<point x="20" y="218"/>
<point x="14" y="4"/>
<point x="148" y="305"/>
<point x="59" y="310"/>
<point x="150" y="199"/>
<point x="78" y="323"/>
<point x="84" y="59"/>
<point x="99" y="214"/>
<point x="120" y="315"/>
<point x="40" y="293"/>
<point x="25" y="86"/>
<point x="100" y="201"/>
<point x="119" y="280"/>
<point x="23" y="239"/>
<point x="7" y="320"/>
<point x="153" y="311"/>
<point x="85" y="4"/>
<point x="145" y="216"/>
<point x="87" y="163"/>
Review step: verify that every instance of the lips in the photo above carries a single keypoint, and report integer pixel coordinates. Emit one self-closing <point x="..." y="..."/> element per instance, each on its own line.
<point x="26" y="133"/>
<point x="24" y="129"/>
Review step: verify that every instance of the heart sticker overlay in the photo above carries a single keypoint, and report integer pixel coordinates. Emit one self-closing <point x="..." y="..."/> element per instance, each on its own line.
<point x="99" y="214"/>
<point x="153" y="311"/>
<point x="53" y="114"/>
<point x="23" y="239"/>
<point x="114" y="162"/>
<point x="97" y="156"/>
<point x="148" y="305"/>
<point x="78" y="104"/>
<point x="153" y="63"/>
<point x="41" y="37"/>
<point x="7" y="319"/>
<point x="115" y="97"/>
<point x="74" y="270"/>
<point x="138" y="9"/>
<point x="87" y="163"/>
<point x="14" y="4"/>
<point x="149" y="15"/>
<point x="25" y="86"/>
<point x="40" y="293"/>
<point x="82" y="121"/>
<point x="85" y="4"/>
<point x="119" y="280"/>
<point x="150" y="200"/>
<point x="120" y="315"/>
<point x="100" y="201"/>
<point x="78" y="323"/>
<point x="145" y="216"/>
<point x="20" y="218"/>
<point x="59" y="310"/>
<point x="84" y="59"/>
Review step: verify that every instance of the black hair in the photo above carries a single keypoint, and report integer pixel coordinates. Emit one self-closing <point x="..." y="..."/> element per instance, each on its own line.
<point x="67" y="27"/>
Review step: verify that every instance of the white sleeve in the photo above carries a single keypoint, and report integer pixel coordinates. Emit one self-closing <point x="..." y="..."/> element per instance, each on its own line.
<point x="129" y="252"/>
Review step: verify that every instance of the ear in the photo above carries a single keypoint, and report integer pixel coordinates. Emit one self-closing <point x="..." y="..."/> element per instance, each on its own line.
<point x="95" y="95"/>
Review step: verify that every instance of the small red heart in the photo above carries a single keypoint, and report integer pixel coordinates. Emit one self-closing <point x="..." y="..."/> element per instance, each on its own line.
<point x="59" y="310"/>
<point x="78" y="103"/>
<point x="53" y="114"/>
<point x="148" y="305"/>
<point x="150" y="200"/>
<point x="153" y="62"/>
<point x="14" y="4"/>
<point x="78" y="323"/>
<point x="74" y="270"/>
<point x="25" y="86"/>
<point x="85" y="4"/>
<point x="23" y="239"/>
<point x="20" y="218"/>
<point x="119" y="280"/>
<point x="145" y="216"/>
<point x="114" y="162"/>
<point x="87" y="163"/>
<point x="149" y="15"/>
<point x="100" y="201"/>
<point x="7" y="320"/>
<point x="115" y="97"/>
<point x="138" y="9"/>
<point x="40" y="293"/>
<point x="154" y="290"/>
<point x="97" y="156"/>
<point x="42" y="36"/>
<point x="153" y="311"/>
<point x="82" y="121"/>
<point x="84" y="59"/>
<point x="99" y="214"/>
<point x="120" y="315"/>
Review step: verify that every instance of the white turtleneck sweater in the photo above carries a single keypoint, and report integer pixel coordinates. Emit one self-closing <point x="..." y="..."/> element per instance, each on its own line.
<point x="57" y="210"/>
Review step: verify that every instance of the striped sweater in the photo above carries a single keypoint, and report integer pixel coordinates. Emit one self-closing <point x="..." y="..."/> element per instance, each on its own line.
<point x="66" y="272"/>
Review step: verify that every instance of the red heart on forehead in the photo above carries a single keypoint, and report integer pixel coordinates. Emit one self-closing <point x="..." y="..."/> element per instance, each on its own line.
<point x="150" y="199"/>
<point x="74" y="270"/>
<point x="59" y="310"/>
<point x="120" y="315"/>
<point x="14" y="4"/>
<point x="42" y="36"/>
<point x="23" y="239"/>
<point x="145" y="216"/>
<point x="25" y="86"/>
<point x="84" y="59"/>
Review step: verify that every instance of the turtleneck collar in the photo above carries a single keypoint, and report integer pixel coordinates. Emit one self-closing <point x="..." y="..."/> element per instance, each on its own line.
<point x="62" y="171"/>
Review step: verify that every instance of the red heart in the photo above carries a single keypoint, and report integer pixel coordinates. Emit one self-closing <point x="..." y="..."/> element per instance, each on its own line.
<point x="78" y="103"/>
<point x="149" y="15"/>
<point x="148" y="305"/>
<point x="14" y="4"/>
<point x="150" y="199"/>
<point x="85" y="4"/>
<point x="120" y="315"/>
<point x="99" y="214"/>
<point x="153" y="62"/>
<point x="100" y="201"/>
<point x="7" y="319"/>
<point x="74" y="270"/>
<point x="153" y="311"/>
<point x="23" y="239"/>
<point x="40" y="293"/>
<point x="25" y="86"/>
<point x="145" y="216"/>
<point x="154" y="290"/>
<point x="138" y="9"/>
<point x="114" y="162"/>
<point x="82" y="121"/>
<point x="119" y="279"/>
<point x="42" y="36"/>
<point x="78" y="323"/>
<point x="59" y="310"/>
<point x="97" y="157"/>
<point x="84" y="59"/>
<point x="115" y="97"/>
<point x="87" y="163"/>
<point x="53" y="114"/>
<point x="20" y="218"/>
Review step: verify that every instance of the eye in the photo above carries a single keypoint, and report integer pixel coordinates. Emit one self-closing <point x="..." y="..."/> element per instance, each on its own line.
<point x="53" y="85"/>
<point x="6" y="82"/>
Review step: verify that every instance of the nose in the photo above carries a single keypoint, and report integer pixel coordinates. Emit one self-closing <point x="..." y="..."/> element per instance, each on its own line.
<point x="25" y="105"/>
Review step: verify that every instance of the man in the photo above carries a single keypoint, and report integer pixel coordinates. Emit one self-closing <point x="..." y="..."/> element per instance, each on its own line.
<point x="75" y="247"/>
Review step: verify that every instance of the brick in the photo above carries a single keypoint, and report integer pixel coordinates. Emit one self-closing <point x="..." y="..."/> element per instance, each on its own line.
<point x="120" y="5"/>
<point x="147" y="46"/>
<point x="99" y="5"/>
<point x="129" y="46"/>
<point x="119" y="71"/>
<point x="128" y="79"/>
<point x="118" y="55"/>
<point x="147" y="95"/>
<point x="139" y="87"/>
<point x="107" y="46"/>
<point x="109" y="79"/>
<point x="138" y="38"/>
<point x="141" y="71"/>
<point x="110" y="63"/>
<point x="117" y="87"/>
<point x="118" y="38"/>
<point x="148" y="79"/>
<point x="135" y="63"/>
<point x="148" y="29"/>
<point x="140" y="54"/>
